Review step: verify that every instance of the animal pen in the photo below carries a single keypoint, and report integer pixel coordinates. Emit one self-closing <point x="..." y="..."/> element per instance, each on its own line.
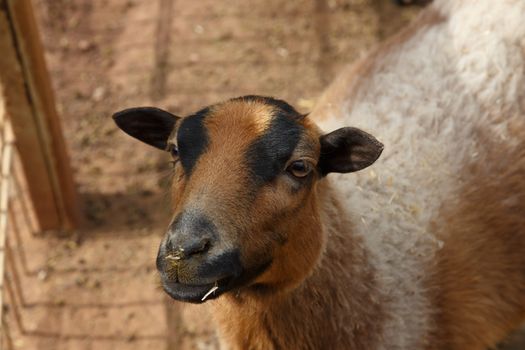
<point x="77" y="252"/>
<point x="83" y="208"/>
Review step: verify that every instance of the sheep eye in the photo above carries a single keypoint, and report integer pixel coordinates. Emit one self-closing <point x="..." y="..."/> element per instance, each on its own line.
<point x="174" y="151"/>
<point x="299" y="168"/>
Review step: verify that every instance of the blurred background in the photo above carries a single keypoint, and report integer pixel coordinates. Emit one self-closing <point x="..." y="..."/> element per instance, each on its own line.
<point x="86" y="279"/>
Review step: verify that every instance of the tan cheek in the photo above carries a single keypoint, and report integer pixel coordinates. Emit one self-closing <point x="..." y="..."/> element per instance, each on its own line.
<point x="275" y="201"/>
<point x="278" y="193"/>
<point x="257" y="250"/>
<point x="284" y="197"/>
<point x="272" y="204"/>
<point x="178" y="186"/>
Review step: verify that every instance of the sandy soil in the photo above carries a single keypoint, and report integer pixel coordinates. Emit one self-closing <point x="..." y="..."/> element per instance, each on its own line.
<point x="98" y="288"/>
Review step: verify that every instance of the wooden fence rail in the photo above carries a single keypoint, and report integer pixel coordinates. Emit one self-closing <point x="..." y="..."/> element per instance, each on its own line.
<point x="30" y="106"/>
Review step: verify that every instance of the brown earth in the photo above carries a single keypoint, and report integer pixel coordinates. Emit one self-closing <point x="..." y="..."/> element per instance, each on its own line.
<point x="98" y="289"/>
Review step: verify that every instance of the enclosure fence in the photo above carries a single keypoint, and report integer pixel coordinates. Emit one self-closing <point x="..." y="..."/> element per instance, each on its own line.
<point x="6" y="155"/>
<point x="37" y="191"/>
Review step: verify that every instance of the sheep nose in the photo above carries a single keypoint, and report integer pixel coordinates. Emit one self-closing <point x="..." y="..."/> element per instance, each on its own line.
<point x="189" y="247"/>
<point x="190" y="235"/>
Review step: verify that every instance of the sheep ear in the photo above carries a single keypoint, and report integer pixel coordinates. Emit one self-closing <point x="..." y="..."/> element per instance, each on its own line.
<point x="348" y="149"/>
<point x="147" y="124"/>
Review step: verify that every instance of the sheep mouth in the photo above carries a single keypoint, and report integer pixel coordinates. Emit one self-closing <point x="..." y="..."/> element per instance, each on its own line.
<point x="201" y="293"/>
<point x="196" y="293"/>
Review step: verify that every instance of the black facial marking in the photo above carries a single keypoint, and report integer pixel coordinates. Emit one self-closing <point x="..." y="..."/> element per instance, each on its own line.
<point x="226" y="264"/>
<point x="267" y="156"/>
<point x="192" y="139"/>
<point x="248" y="275"/>
<point x="193" y="232"/>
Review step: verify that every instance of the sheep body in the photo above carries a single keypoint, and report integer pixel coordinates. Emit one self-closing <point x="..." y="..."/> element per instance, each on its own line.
<point x="442" y="96"/>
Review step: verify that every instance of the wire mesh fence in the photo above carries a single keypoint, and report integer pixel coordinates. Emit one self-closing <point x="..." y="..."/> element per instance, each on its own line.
<point x="17" y="223"/>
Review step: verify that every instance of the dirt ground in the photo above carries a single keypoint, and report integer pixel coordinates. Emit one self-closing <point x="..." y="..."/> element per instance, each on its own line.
<point x="98" y="288"/>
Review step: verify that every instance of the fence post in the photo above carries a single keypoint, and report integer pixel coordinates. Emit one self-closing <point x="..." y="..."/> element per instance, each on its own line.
<point x="30" y="106"/>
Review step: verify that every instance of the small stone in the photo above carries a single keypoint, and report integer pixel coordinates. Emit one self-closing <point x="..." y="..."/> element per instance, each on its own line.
<point x="42" y="275"/>
<point x="98" y="94"/>
<point x="194" y="57"/>
<point x="281" y="51"/>
<point x="198" y="29"/>
<point x="84" y="45"/>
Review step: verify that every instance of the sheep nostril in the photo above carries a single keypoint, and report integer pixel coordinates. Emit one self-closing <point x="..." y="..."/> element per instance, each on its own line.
<point x="199" y="247"/>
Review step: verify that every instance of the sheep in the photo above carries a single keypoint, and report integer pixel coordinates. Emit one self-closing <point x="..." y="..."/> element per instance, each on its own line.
<point x="423" y="250"/>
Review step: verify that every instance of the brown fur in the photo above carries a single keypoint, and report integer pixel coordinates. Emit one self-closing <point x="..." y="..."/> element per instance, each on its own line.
<point x="479" y="284"/>
<point x="295" y="302"/>
<point x="336" y="307"/>
<point x="320" y="290"/>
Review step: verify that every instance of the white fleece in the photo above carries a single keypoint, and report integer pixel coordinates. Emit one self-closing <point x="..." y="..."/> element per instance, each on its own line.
<point x="423" y="101"/>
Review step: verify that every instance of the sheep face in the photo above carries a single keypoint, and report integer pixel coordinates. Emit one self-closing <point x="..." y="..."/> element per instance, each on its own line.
<point x="244" y="191"/>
